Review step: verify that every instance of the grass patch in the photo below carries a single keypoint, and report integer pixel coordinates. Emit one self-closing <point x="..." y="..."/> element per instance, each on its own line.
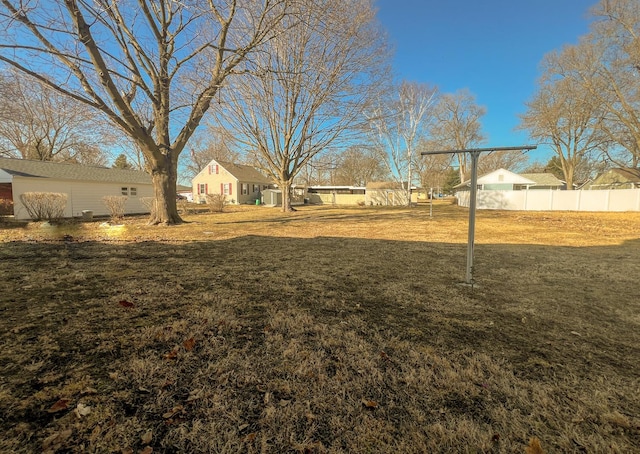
<point x="324" y="330"/>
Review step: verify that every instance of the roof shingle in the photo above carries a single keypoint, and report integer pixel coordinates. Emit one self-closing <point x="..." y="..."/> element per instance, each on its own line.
<point x="67" y="171"/>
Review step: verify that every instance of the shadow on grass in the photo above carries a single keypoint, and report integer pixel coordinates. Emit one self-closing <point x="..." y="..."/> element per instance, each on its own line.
<point x="78" y="319"/>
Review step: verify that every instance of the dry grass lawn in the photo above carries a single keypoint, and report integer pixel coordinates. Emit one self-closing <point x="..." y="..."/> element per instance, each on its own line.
<point x="327" y="330"/>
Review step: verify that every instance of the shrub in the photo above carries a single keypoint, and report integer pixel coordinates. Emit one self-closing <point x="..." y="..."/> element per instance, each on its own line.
<point x="149" y="203"/>
<point x="47" y="206"/>
<point x="115" y="204"/>
<point x="183" y="206"/>
<point x="216" y="202"/>
<point x="6" y="207"/>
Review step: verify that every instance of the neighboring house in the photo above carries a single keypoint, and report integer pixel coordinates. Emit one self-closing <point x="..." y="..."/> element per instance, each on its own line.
<point x="85" y="186"/>
<point x="389" y="193"/>
<point x="505" y="180"/>
<point x="543" y="181"/>
<point x="624" y="178"/>
<point x="336" y="195"/>
<point x="237" y="182"/>
<point x="184" y="192"/>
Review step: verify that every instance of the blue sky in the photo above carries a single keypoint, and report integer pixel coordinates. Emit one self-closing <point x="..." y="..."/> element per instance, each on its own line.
<point x="491" y="47"/>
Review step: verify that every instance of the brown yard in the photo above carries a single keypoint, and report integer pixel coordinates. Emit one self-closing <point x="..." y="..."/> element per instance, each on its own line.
<point x="324" y="330"/>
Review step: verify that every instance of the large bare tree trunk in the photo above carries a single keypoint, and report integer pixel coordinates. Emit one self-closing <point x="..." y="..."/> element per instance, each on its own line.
<point x="286" y="197"/>
<point x="164" y="175"/>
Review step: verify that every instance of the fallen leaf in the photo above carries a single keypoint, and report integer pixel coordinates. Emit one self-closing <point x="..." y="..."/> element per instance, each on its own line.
<point x="147" y="450"/>
<point x="534" y="447"/>
<point x="126" y="450"/>
<point x="189" y="344"/>
<point x="147" y="437"/>
<point x="250" y="437"/>
<point x="95" y="433"/>
<point x="54" y="442"/>
<point x="88" y="391"/>
<point x="283" y="402"/>
<point x="195" y="395"/>
<point x="125" y="303"/>
<point x="371" y="404"/>
<point x="173" y="354"/>
<point x="242" y="427"/>
<point x="61" y="405"/>
<point x="82" y="410"/>
<point x="174" y="411"/>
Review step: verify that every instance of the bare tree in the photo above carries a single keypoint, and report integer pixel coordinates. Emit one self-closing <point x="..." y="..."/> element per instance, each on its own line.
<point x="359" y="165"/>
<point x="151" y="66"/>
<point x="320" y="169"/>
<point x="312" y="82"/>
<point x="606" y="64"/>
<point x="615" y="41"/>
<point x="458" y="126"/>
<point x="433" y="170"/>
<point x="211" y="144"/>
<point x="399" y="123"/>
<point x="514" y="161"/>
<point x="565" y="116"/>
<point x="38" y="123"/>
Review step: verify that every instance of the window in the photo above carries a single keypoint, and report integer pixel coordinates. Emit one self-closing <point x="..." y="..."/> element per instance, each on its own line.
<point x="500" y="177"/>
<point x="213" y="168"/>
<point x="202" y="189"/>
<point x="226" y="189"/>
<point x="133" y="191"/>
<point x="124" y="191"/>
<point x="245" y="188"/>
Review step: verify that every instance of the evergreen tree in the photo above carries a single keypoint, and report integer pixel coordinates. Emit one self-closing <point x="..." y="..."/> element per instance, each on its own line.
<point x="121" y="162"/>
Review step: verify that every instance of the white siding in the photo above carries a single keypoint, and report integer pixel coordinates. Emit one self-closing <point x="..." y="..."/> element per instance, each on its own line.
<point x="81" y="195"/>
<point x="5" y="177"/>
<point x="548" y="200"/>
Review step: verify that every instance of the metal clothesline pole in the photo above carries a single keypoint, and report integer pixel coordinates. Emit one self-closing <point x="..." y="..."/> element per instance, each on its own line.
<point x="473" y="191"/>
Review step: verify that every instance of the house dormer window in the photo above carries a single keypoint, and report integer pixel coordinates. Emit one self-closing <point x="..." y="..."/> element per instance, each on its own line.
<point x="214" y="169"/>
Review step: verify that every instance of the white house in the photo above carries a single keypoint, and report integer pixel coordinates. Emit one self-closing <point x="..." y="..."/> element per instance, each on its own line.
<point x="504" y="180"/>
<point x="85" y="186"/>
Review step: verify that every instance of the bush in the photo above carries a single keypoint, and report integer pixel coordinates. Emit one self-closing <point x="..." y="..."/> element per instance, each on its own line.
<point x="216" y="202"/>
<point x="115" y="204"/>
<point x="6" y="207"/>
<point x="183" y="206"/>
<point x="47" y="206"/>
<point x="149" y="203"/>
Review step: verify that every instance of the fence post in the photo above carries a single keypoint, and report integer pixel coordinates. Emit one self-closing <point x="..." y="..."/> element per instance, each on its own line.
<point x="578" y="199"/>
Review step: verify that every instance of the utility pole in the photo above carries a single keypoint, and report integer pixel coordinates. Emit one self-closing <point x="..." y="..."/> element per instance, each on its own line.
<point x="473" y="191"/>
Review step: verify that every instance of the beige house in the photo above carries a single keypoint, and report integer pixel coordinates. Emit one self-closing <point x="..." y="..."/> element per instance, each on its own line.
<point x="237" y="182"/>
<point x="85" y="186"/>
<point x="622" y="178"/>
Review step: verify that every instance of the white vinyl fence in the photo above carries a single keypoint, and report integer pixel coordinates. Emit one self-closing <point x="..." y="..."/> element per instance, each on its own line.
<point x="554" y="200"/>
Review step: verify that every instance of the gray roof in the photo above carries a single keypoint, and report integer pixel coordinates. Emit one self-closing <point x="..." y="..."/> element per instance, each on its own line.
<point x="543" y="179"/>
<point x="68" y="171"/>
<point x="245" y="173"/>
